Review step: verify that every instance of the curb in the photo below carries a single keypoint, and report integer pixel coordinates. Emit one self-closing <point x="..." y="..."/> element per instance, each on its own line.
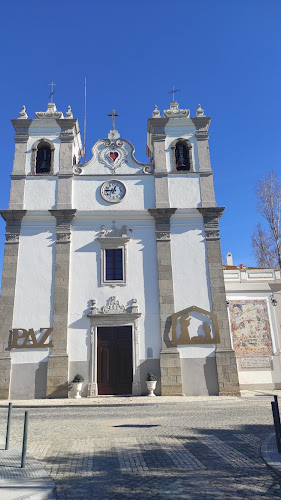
<point x="119" y="401"/>
<point x="32" y="482"/>
<point x="270" y="454"/>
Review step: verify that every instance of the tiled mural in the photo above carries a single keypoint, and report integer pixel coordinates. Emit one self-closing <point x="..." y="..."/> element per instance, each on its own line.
<point x="250" y="327"/>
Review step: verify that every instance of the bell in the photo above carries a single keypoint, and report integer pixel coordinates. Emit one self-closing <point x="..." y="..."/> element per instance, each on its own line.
<point x="43" y="160"/>
<point x="181" y="162"/>
<point x="44" y="167"/>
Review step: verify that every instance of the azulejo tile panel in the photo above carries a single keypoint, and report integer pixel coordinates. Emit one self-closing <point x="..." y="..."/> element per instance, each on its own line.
<point x="250" y="327"/>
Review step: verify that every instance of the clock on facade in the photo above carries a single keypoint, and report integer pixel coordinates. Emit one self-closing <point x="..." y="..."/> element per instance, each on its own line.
<point x="113" y="191"/>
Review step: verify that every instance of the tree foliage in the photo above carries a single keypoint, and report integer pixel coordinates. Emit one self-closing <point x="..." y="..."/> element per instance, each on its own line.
<point x="266" y="242"/>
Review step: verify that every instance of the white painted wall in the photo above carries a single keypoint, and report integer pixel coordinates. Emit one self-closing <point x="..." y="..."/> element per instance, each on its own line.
<point x="85" y="283"/>
<point x="140" y="193"/>
<point x="255" y="377"/>
<point x="190" y="273"/>
<point x="34" y="284"/>
<point x="40" y="193"/>
<point x="184" y="191"/>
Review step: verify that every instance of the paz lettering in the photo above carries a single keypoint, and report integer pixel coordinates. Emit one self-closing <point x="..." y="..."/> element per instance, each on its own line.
<point x="26" y="339"/>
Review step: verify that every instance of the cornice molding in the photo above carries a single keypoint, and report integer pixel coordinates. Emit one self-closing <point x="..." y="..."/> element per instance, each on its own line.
<point x="161" y="213"/>
<point x="12" y="215"/>
<point x="66" y="214"/>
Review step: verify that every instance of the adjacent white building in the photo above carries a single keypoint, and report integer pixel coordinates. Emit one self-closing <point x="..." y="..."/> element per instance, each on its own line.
<point x="253" y="298"/>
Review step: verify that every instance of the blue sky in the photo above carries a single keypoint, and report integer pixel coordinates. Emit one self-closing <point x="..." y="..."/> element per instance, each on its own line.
<point x="222" y="54"/>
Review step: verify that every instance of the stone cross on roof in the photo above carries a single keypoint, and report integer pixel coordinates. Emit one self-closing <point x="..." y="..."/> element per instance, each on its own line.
<point x="113" y="114"/>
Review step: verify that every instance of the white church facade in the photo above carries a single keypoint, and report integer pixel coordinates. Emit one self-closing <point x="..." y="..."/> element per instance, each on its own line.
<point x="112" y="268"/>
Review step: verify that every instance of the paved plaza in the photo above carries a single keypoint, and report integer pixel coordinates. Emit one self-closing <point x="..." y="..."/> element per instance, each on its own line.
<point x="136" y="448"/>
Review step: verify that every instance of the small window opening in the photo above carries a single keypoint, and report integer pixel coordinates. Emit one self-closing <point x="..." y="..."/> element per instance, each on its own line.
<point x="182" y="157"/>
<point x="114" y="265"/>
<point x="43" y="159"/>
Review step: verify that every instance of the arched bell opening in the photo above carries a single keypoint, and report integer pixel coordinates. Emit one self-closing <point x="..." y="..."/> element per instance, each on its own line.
<point x="43" y="157"/>
<point x="182" y="155"/>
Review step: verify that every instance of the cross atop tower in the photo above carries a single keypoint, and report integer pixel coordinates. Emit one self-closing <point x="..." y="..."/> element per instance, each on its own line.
<point x="113" y="114"/>
<point x="173" y="92"/>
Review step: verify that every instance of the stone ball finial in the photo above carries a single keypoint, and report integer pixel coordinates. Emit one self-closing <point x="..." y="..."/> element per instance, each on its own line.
<point x="69" y="113"/>
<point x="156" y="112"/>
<point x="23" y="114"/>
<point x="200" y="111"/>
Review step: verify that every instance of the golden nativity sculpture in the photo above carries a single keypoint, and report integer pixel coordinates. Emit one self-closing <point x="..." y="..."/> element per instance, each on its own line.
<point x="184" y="319"/>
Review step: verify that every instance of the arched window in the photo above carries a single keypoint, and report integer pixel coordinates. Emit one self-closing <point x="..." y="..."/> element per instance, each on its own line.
<point x="182" y="155"/>
<point x="42" y="158"/>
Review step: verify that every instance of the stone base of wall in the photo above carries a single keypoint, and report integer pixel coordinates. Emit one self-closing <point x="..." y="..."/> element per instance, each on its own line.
<point x="199" y="376"/>
<point x="170" y="367"/>
<point x="261" y="387"/>
<point x="227" y="373"/>
<point x="57" y="376"/>
<point x="28" y="381"/>
<point x="5" y="376"/>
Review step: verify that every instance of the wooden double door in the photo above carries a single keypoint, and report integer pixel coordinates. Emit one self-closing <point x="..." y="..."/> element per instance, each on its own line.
<point x="115" y="360"/>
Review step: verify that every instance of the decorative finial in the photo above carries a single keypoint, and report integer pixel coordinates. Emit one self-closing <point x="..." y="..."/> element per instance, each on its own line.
<point x="200" y="111"/>
<point x="156" y="112"/>
<point x="23" y="114"/>
<point x="69" y="114"/>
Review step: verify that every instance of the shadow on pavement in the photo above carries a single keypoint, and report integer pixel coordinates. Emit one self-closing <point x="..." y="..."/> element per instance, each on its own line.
<point x="195" y="464"/>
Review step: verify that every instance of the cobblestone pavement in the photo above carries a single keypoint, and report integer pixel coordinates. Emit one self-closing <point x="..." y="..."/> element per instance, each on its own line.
<point x="201" y="450"/>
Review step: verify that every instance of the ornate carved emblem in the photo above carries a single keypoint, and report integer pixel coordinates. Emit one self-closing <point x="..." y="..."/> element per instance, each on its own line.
<point x="114" y="231"/>
<point x="113" y="306"/>
<point x="113" y="154"/>
<point x="175" y="112"/>
<point x="50" y="113"/>
<point x="195" y="326"/>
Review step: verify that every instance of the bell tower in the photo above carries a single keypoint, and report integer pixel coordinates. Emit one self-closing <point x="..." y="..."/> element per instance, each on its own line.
<point x="46" y="148"/>
<point x="188" y="249"/>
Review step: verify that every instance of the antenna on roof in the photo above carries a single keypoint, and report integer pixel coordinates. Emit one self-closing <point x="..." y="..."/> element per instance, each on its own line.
<point x="85" y="119"/>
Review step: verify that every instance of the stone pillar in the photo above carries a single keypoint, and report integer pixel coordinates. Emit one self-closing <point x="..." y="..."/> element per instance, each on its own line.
<point x="19" y="173"/>
<point x="65" y="174"/>
<point x="13" y="220"/>
<point x="160" y="172"/>
<point x="202" y="124"/>
<point x="57" y="374"/>
<point x="170" y="366"/>
<point x="225" y="357"/>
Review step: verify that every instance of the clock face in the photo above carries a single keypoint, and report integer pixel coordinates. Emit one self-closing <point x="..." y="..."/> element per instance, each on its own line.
<point x="113" y="191"/>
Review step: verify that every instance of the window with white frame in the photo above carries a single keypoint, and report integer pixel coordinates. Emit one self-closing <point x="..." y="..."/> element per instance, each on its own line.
<point x="113" y="261"/>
